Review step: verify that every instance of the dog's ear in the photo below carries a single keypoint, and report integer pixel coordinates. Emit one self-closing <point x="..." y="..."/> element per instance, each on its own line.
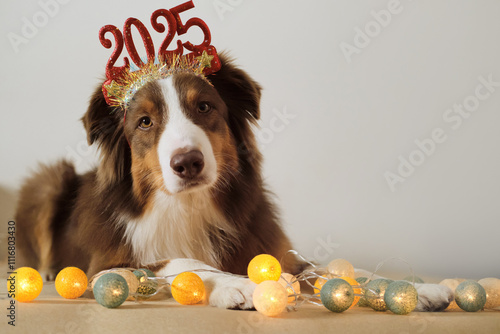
<point x="238" y="90"/>
<point x="104" y="126"/>
<point x="242" y="97"/>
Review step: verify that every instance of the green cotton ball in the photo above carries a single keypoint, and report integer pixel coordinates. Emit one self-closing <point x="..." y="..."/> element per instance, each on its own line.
<point x="410" y="279"/>
<point x="337" y="295"/>
<point x="401" y="297"/>
<point x="470" y="296"/>
<point x="374" y="293"/>
<point x="362" y="301"/>
<point x="111" y="290"/>
<point x="139" y="273"/>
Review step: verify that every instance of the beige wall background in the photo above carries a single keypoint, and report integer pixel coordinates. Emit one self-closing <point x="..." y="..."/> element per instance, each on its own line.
<point x="379" y="127"/>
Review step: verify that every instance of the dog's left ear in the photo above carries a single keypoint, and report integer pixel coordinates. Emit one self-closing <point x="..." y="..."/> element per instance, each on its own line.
<point x="238" y="90"/>
<point x="104" y="126"/>
<point x="241" y="94"/>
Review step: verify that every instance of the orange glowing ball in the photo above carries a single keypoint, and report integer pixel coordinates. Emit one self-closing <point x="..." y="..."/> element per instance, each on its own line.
<point x="25" y="284"/>
<point x="320" y="282"/>
<point x="188" y="289"/>
<point x="71" y="282"/>
<point x="357" y="290"/>
<point x="264" y="267"/>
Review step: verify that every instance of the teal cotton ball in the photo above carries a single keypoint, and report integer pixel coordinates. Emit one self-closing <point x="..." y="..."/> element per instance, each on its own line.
<point x="337" y="295"/>
<point x="374" y="293"/>
<point x="401" y="297"/>
<point x="111" y="290"/>
<point x="362" y="301"/>
<point x="470" y="296"/>
<point x="139" y="273"/>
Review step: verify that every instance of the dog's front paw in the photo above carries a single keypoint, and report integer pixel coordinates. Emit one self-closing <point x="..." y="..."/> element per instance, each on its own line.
<point x="231" y="292"/>
<point x="433" y="297"/>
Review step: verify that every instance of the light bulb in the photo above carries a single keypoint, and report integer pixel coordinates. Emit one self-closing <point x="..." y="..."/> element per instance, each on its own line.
<point x="270" y="298"/>
<point x="264" y="267"/>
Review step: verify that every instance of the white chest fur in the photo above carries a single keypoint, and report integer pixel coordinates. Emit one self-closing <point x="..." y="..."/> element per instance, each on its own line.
<point x="180" y="226"/>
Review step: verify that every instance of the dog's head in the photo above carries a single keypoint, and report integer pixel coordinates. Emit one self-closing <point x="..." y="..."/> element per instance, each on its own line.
<point x="178" y="134"/>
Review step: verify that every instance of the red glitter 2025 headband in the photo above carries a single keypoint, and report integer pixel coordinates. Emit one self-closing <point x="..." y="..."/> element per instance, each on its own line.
<point x="122" y="83"/>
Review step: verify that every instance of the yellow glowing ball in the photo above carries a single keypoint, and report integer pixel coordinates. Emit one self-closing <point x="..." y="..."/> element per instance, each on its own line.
<point x="264" y="267"/>
<point x="71" y="282"/>
<point x="286" y="280"/>
<point x="492" y="287"/>
<point x="188" y="289"/>
<point x="25" y="284"/>
<point x="341" y="267"/>
<point x="357" y="290"/>
<point x="270" y="298"/>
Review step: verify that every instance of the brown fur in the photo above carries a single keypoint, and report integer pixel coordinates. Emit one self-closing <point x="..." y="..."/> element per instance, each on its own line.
<point x="68" y="219"/>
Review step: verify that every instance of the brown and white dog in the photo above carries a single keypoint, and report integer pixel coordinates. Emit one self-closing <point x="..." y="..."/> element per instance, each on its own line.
<point x="178" y="188"/>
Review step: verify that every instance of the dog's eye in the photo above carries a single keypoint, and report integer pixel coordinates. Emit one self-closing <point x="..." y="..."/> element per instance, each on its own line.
<point x="145" y="123"/>
<point x="204" y="107"/>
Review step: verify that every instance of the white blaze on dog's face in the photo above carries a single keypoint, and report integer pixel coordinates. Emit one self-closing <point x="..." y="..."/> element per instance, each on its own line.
<point x="185" y="153"/>
<point x="179" y="136"/>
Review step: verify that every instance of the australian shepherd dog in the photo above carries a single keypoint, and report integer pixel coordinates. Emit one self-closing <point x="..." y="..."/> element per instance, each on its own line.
<point x="178" y="188"/>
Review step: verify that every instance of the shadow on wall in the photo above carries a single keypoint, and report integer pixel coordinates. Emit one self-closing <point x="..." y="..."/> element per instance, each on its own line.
<point x="8" y="200"/>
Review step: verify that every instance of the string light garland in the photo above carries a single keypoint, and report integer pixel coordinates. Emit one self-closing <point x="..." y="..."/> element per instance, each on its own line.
<point x="271" y="297"/>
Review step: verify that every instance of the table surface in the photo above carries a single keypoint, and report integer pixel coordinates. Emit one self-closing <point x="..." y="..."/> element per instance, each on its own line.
<point x="50" y="313"/>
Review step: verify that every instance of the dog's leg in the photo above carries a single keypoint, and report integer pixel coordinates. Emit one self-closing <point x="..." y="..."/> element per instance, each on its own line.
<point x="224" y="291"/>
<point x="431" y="297"/>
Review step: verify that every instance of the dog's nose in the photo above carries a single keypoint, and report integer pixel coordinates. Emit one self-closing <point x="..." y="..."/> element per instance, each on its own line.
<point x="187" y="165"/>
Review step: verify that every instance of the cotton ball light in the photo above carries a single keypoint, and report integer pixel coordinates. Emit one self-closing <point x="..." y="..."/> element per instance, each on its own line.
<point x="293" y="290"/>
<point x="452" y="283"/>
<point x="337" y="295"/>
<point x="129" y="276"/>
<point x="470" y="296"/>
<point x="188" y="288"/>
<point x="25" y="284"/>
<point x="143" y="273"/>
<point x="270" y="298"/>
<point x="401" y="297"/>
<point x="341" y="267"/>
<point x="110" y="290"/>
<point x="71" y="282"/>
<point x="362" y="301"/>
<point x="357" y="290"/>
<point x="492" y="288"/>
<point x="374" y="293"/>
<point x="264" y="267"/>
